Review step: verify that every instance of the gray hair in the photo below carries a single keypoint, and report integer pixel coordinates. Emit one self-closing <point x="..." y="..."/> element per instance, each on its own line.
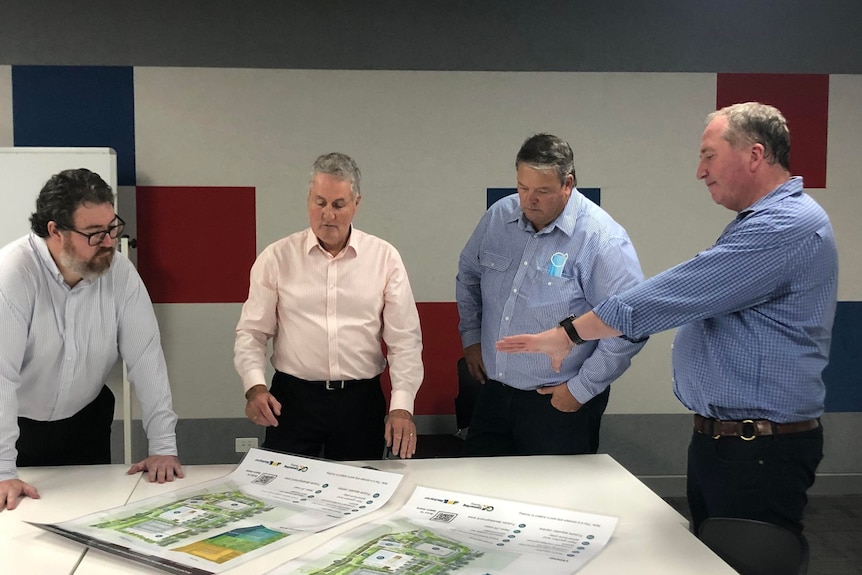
<point x="755" y="123"/>
<point x="548" y="152"/>
<point x="342" y="167"/>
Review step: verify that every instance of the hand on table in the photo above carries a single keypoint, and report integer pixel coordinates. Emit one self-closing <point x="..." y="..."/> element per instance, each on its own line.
<point x="13" y="490"/>
<point x="159" y="468"/>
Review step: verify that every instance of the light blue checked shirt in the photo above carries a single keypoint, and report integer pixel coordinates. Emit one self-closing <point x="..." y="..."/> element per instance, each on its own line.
<point x="58" y="345"/>
<point x="756" y="311"/>
<point x="504" y="288"/>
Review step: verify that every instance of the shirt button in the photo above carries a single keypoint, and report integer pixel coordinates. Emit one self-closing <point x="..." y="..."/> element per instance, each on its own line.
<point x="500" y="374"/>
<point x="515" y="290"/>
<point x="507" y="319"/>
<point x="526" y="263"/>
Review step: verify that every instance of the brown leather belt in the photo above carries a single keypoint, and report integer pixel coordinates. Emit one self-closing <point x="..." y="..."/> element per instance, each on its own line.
<point x="748" y="429"/>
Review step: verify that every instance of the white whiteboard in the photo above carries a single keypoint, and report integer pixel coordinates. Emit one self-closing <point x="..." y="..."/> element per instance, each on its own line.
<point x="24" y="170"/>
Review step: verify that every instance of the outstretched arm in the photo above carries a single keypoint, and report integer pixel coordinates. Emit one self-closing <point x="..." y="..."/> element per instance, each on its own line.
<point x="555" y="343"/>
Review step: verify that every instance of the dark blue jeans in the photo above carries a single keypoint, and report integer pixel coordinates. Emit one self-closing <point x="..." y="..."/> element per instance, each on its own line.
<point x="509" y="421"/>
<point x="764" y="479"/>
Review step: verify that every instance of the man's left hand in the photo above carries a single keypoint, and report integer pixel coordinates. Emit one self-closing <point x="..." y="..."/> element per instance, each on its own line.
<point x="561" y="398"/>
<point x="401" y="433"/>
<point x="159" y="468"/>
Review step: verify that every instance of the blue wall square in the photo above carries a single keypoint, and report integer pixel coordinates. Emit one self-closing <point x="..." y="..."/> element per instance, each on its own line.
<point x="77" y="106"/>
<point x="843" y="375"/>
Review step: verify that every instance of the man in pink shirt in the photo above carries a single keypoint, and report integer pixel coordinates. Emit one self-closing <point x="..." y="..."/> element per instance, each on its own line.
<point x="327" y="297"/>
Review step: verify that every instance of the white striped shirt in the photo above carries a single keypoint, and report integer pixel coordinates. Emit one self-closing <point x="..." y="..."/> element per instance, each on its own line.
<point x="58" y="345"/>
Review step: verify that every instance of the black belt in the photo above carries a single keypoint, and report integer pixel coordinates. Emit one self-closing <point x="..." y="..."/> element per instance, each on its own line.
<point x="333" y="384"/>
<point x="748" y="429"/>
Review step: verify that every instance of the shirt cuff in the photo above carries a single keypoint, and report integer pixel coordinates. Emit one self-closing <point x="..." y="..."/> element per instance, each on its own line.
<point x="471" y="337"/>
<point x="252" y="378"/>
<point x="579" y="392"/>
<point x="401" y="399"/>
<point x="616" y="314"/>
<point x="8" y="470"/>
<point x="164" y="445"/>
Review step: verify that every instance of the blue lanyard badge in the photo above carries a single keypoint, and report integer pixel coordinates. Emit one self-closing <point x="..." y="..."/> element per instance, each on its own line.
<point x="558" y="260"/>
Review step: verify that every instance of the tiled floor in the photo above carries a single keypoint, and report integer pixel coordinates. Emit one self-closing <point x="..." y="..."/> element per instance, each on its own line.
<point x="833" y="527"/>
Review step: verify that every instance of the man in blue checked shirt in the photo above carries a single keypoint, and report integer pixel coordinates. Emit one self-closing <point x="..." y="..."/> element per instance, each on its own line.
<point x="756" y="312"/>
<point x="536" y="258"/>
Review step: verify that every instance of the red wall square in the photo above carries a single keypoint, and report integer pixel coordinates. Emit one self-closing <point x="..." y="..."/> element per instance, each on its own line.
<point x="196" y="244"/>
<point x="441" y="349"/>
<point x="804" y="101"/>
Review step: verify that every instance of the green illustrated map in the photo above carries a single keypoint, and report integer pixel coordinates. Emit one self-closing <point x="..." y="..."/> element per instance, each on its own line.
<point x="177" y="521"/>
<point x="419" y="552"/>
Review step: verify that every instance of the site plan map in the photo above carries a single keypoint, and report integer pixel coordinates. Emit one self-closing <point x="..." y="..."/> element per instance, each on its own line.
<point x="270" y="500"/>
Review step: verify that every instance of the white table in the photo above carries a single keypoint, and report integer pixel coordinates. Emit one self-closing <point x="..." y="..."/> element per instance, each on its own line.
<point x="65" y="493"/>
<point x="650" y="538"/>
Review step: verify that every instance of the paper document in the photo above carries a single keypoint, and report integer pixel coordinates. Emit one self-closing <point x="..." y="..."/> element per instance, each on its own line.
<point x="268" y="501"/>
<point x="443" y="532"/>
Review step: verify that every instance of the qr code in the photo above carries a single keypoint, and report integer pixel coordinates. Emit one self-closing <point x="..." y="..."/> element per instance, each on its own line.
<point x="264" y="479"/>
<point x="444" y="516"/>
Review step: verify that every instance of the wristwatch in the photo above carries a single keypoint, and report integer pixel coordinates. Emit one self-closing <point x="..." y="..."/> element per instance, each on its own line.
<point x="567" y="325"/>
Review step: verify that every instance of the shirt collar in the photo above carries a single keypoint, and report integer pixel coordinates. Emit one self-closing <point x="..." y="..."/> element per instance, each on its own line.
<point x="788" y="188"/>
<point x="312" y="243"/>
<point x="40" y="246"/>
<point x="565" y="221"/>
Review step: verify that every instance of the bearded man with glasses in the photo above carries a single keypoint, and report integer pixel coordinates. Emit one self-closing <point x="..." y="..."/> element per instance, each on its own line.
<point x="70" y="306"/>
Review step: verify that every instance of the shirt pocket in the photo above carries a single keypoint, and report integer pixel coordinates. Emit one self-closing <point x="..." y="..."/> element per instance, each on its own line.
<point x="553" y="297"/>
<point x="496" y="262"/>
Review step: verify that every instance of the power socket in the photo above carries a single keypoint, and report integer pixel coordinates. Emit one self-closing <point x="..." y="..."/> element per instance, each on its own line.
<point x="243" y="444"/>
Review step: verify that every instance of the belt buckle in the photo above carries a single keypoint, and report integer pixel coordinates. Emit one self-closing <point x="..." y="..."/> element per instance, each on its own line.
<point x="742" y="435"/>
<point x="334" y="385"/>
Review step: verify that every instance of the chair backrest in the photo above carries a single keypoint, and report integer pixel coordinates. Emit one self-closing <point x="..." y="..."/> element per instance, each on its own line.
<point x="754" y="547"/>
<point x="468" y="391"/>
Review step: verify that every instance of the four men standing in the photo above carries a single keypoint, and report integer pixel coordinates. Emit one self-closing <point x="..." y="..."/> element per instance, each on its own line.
<point x="755" y="311"/>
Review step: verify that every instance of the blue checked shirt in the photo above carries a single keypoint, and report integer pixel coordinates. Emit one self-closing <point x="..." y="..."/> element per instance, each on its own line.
<point x="756" y="311"/>
<point x="504" y="287"/>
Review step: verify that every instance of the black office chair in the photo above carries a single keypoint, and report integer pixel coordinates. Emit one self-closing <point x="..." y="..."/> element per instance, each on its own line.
<point x="468" y="392"/>
<point x="754" y="547"/>
<point x="446" y="444"/>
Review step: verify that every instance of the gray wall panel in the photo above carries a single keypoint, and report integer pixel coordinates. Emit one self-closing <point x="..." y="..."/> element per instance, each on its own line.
<point x="788" y="36"/>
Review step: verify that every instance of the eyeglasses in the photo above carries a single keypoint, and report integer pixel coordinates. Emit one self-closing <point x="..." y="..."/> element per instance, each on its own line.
<point x="96" y="238"/>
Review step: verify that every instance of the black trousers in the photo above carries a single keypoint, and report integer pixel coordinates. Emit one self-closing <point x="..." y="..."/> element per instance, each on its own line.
<point x="342" y="425"/>
<point x="509" y="421"/>
<point x="764" y="479"/>
<point x="83" y="439"/>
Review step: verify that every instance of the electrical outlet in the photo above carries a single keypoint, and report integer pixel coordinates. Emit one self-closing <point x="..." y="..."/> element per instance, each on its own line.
<point x="243" y="444"/>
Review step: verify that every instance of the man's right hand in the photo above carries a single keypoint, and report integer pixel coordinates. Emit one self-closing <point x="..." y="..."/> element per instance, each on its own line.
<point x="12" y="490"/>
<point x="475" y="365"/>
<point x="261" y="407"/>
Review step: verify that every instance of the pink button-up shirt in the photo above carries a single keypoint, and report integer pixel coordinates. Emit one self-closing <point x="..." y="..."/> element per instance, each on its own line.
<point x="327" y="315"/>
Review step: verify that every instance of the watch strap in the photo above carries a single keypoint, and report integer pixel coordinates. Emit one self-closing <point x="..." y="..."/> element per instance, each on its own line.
<point x="567" y="325"/>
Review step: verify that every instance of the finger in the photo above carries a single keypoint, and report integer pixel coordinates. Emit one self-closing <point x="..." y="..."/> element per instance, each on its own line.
<point x="409" y="446"/>
<point x="178" y="471"/>
<point x="387" y="434"/>
<point x="545" y="391"/>
<point x="275" y="405"/>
